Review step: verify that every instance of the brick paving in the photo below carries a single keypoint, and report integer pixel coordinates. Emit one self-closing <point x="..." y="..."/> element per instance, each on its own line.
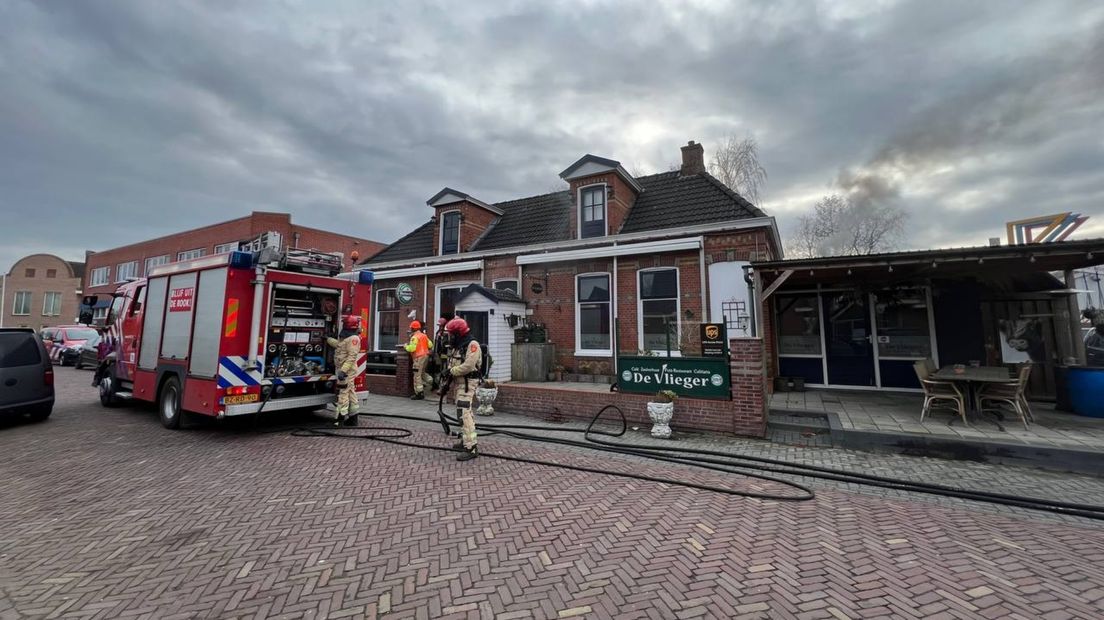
<point x="106" y="515"/>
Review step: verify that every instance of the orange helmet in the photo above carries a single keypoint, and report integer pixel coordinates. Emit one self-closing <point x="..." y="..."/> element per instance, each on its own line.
<point x="415" y="325"/>
<point x="457" y="326"/>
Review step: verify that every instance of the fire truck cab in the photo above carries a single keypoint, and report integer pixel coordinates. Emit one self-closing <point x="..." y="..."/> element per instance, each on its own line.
<point x="233" y="334"/>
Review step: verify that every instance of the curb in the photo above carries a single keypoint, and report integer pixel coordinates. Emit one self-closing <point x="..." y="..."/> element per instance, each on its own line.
<point x="1023" y="455"/>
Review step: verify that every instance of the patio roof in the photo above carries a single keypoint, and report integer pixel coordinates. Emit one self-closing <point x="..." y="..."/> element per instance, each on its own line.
<point x="985" y="262"/>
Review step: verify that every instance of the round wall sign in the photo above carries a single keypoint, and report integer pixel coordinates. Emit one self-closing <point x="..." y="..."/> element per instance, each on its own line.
<point x="404" y="293"/>
<point x="537" y="288"/>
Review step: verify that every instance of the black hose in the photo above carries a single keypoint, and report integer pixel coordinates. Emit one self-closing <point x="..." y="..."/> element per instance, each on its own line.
<point x="707" y="459"/>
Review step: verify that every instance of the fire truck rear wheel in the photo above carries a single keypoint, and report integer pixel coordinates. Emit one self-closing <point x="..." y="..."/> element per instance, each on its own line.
<point x="169" y="409"/>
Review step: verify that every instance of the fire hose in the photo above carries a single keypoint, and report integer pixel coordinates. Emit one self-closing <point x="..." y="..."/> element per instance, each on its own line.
<point x="711" y="460"/>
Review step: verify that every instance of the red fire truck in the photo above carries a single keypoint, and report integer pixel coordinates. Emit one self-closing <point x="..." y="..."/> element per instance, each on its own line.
<point x="233" y="334"/>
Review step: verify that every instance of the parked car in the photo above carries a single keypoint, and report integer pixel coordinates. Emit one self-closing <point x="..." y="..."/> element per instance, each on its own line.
<point x="26" y="375"/>
<point x="89" y="356"/>
<point x="64" y="342"/>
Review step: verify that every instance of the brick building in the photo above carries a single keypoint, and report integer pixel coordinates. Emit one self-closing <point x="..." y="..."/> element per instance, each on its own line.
<point x="41" y="290"/>
<point x="107" y="268"/>
<point x="611" y="262"/>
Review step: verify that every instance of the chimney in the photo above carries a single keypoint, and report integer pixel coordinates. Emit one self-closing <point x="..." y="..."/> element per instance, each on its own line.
<point x="693" y="159"/>
<point x="994" y="242"/>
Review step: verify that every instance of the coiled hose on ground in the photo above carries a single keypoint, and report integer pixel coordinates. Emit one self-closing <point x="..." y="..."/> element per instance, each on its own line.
<point x="712" y="460"/>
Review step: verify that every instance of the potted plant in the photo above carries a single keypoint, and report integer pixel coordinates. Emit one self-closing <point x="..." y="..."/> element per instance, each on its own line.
<point x="660" y="411"/>
<point x="486" y="393"/>
<point x="557" y="373"/>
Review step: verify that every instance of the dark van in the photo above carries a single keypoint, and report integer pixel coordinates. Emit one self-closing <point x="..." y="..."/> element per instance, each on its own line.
<point x="26" y="375"/>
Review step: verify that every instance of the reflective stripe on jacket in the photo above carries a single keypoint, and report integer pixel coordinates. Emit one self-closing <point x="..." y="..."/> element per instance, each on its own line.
<point x="419" y="345"/>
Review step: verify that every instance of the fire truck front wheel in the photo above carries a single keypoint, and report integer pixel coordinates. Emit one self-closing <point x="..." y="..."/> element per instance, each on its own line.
<point x="169" y="409"/>
<point x="107" y="388"/>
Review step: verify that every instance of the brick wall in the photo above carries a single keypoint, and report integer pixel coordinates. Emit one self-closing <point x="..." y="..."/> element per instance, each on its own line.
<point x="63" y="281"/>
<point x="399" y="384"/>
<point x="744" y="415"/>
<point x="207" y="237"/>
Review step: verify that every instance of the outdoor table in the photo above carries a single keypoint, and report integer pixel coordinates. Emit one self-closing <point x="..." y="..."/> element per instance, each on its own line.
<point x="971" y="376"/>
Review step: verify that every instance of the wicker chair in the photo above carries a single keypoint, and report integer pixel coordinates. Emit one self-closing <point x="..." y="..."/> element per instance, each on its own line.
<point x="939" y="393"/>
<point x="1012" y="393"/>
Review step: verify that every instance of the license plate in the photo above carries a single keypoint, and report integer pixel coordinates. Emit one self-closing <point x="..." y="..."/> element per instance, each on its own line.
<point x="240" y="398"/>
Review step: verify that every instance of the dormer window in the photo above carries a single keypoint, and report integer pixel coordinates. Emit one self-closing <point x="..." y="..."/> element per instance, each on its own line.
<point x="592" y="212"/>
<point x="450" y="232"/>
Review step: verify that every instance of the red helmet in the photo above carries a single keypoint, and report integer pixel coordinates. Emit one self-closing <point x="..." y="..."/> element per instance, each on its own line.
<point x="457" y="326"/>
<point x="350" y="321"/>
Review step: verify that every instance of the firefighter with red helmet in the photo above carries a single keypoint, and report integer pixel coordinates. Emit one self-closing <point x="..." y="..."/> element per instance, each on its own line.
<point x="465" y="363"/>
<point x="346" y="351"/>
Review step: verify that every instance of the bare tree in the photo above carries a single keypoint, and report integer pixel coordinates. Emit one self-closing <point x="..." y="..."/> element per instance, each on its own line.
<point x="842" y="226"/>
<point x="736" y="164"/>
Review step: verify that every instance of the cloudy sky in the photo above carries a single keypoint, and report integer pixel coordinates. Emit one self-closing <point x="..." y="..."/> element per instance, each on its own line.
<point x="120" y="121"/>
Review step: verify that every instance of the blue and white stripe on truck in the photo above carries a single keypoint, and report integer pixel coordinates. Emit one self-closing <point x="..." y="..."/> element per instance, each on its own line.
<point x="231" y="374"/>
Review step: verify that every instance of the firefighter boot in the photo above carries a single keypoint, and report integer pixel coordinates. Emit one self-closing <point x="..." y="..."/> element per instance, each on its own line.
<point x="469" y="454"/>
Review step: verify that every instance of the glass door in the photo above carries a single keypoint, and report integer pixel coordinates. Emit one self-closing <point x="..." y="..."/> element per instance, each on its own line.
<point x="848" y="343"/>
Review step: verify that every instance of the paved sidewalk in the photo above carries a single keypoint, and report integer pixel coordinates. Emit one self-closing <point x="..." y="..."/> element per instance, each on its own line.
<point x="105" y="514"/>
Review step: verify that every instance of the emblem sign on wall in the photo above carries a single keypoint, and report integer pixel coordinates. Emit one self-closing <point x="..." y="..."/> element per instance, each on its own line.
<point x="404" y="293"/>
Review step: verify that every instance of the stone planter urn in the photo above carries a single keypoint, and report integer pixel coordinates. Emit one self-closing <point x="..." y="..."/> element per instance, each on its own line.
<point x="661" y="414"/>
<point x="486" y="397"/>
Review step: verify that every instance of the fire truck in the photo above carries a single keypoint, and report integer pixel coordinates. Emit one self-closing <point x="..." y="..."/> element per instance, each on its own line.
<point x="233" y="334"/>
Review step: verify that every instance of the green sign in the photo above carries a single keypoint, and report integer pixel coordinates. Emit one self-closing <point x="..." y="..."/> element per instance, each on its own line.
<point x="404" y="293"/>
<point x="697" y="377"/>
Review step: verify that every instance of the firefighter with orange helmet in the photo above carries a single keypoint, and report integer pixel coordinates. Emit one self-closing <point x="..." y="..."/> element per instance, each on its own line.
<point x="465" y="363"/>
<point x="346" y="353"/>
<point x="419" y="347"/>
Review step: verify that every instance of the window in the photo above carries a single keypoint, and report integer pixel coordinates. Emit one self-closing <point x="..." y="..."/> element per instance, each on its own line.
<point x="226" y="248"/>
<point x="447" y="295"/>
<point x="51" y="273"/>
<point x="99" y="314"/>
<point x="123" y="271"/>
<point x="450" y="232"/>
<point x="22" y="305"/>
<point x="387" y="320"/>
<point x="507" y="285"/>
<point x="100" y="276"/>
<point x="156" y="261"/>
<point x="592" y="320"/>
<point x="592" y="212"/>
<point x="659" y="310"/>
<point x="51" y="304"/>
<point x="190" y="254"/>
<point x="29" y="272"/>
<point x="798" y="325"/>
<point x="902" y="319"/>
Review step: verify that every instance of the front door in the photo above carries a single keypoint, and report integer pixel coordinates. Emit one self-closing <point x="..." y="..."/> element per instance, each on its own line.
<point x="848" y="342"/>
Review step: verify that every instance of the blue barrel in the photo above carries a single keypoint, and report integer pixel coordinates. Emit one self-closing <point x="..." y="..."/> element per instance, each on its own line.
<point x="1086" y="391"/>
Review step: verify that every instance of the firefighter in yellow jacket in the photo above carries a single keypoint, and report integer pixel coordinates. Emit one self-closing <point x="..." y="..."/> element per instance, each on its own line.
<point x="465" y="363"/>
<point x="346" y="353"/>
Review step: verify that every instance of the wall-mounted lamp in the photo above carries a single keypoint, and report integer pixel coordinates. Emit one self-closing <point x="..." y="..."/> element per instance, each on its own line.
<point x="689" y="313"/>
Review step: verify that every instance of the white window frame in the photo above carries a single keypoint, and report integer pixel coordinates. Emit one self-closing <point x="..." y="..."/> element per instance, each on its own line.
<point x="579" y="351"/>
<point x="441" y="232"/>
<point x="122" y="274"/>
<point x="376" y="331"/>
<point x="29" y="302"/>
<point x="99" y="314"/>
<point x="437" y="293"/>
<point x="191" y="254"/>
<point x="46" y="309"/>
<point x="579" y="208"/>
<point x="517" y="283"/>
<point x="147" y="266"/>
<point x="677" y="350"/>
<point x="226" y="248"/>
<point x="99" y="276"/>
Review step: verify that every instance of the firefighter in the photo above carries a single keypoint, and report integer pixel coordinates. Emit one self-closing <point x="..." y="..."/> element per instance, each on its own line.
<point x="419" y="347"/>
<point x="438" y="365"/>
<point x="465" y="365"/>
<point x="346" y="351"/>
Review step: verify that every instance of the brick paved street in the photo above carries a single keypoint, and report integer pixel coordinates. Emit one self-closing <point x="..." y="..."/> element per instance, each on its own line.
<point x="104" y="514"/>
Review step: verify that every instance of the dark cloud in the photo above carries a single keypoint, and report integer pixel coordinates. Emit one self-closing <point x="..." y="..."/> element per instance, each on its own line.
<point x="124" y="120"/>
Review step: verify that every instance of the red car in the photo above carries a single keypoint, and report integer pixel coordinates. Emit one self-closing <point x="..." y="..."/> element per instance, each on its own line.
<point x="65" y="341"/>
